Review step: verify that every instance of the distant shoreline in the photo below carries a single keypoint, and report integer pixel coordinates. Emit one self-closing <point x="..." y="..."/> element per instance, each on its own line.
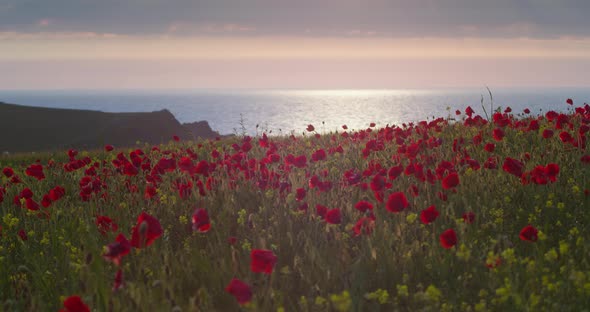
<point x="35" y="129"/>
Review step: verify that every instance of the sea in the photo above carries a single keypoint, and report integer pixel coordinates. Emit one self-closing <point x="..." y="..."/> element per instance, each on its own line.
<point x="284" y="112"/>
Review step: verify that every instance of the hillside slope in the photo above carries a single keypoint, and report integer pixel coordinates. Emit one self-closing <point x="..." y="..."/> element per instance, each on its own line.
<point x="26" y="128"/>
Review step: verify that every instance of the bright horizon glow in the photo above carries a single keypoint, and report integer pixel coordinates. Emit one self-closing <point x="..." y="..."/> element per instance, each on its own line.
<point x="47" y="48"/>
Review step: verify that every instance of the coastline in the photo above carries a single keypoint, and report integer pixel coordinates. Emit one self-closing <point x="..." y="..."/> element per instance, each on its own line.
<point x="36" y="129"/>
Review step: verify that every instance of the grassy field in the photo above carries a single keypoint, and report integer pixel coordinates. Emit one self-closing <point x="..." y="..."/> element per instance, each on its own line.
<point x="452" y="214"/>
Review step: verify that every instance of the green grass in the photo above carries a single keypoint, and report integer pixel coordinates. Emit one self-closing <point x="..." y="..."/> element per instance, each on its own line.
<point x="400" y="266"/>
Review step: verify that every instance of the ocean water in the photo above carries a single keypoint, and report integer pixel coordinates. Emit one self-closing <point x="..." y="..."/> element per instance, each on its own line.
<point x="290" y="111"/>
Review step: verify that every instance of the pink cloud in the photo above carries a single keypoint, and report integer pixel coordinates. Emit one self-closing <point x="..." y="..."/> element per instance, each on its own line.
<point x="15" y="35"/>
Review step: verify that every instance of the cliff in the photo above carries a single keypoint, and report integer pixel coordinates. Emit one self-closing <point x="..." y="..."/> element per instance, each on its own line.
<point x="27" y="128"/>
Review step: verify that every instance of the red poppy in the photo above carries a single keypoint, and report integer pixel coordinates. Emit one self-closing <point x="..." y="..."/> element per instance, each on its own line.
<point x="529" y="233"/>
<point x="552" y="170"/>
<point x="526" y="111"/>
<point x="46" y="201"/>
<point x="23" y="235"/>
<point x="262" y="261"/>
<point x="321" y="210"/>
<point x="333" y="216"/>
<point x="118" y="282"/>
<point x="498" y="134"/>
<point x="36" y="171"/>
<point x="108" y="148"/>
<point x="490" y="147"/>
<point x="57" y="193"/>
<point x="8" y="172"/>
<point x="175" y="138"/>
<point x="364" y="225"/>
<point x="146" y="231"/>
<point x="363" y="206"/>
<point x="547" y="133"/>
<point x="585" y="159"/>
<point x="31" y="204"/>
<point x="201" y="222"/>
<point x="105" y="224"/>
<point x="117" y="250"/>
<point x="429" y="214"/>
<point x="513" y="166"/>
<point x="494" y="263"/>
<point x="565" y="137"/>
<point x="450" y="181"/>
<point x="469" y="217"/>
<point x="300" y="194"/>
<point x="397" y="202"/>
<point x="74" y="304"/>
<point x="570" y="101"/>
<point x="394" y="172"/>
<point x="448" y="238"/>
<point x="310" y="128"/>
<point x="240" y="290"/>
<point x="318" y="155"/>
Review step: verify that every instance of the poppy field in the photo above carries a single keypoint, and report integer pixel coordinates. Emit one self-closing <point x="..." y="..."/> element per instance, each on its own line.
<point x="464" y="213"/>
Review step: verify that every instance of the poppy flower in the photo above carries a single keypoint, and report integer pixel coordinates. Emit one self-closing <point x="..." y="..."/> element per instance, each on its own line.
<point x="23" y="235"/>
<point x="429" y="214"/>
<point x="146" y="231"/>
<point x="201" y="222"/>
<point x="310" y="128"/>
<point x="363" y="206"/>
<point x="448" y="238"/>
<point x="118" y="282"/>
<point x="46" y="201"/>
<point x="397" y="202"/>
<point x="35" y="171"/>
<point x="364" y="225"/>
<point x="490" y="147"/>
<point x="118" y="249"/>
<point x="31" y="204"/>
<point x="109" y="148"/>
<point x="175" y="138"/>
<point x="565" y="137"/>
<point x="318" y="155"/>
<point x="57" y="193"/>
<point x="262" y="261"/>
<point x="552" y="170"/>
<point x="105" y="224"/>
<point x="498" y="134"/>
<point x="469" y="217"/>
<point x="300" y="194"/>
<point x="570" y="101"/>
<point x="321" y="210"/>
<point x="74" y="304"/>
<point x="333" y="216"/>
<point x="529" y="234"/>
<point x="450" y="181"/>
<point x="394" y="172"/>
<point x="526" y="111"/>
<point x="513" y="166"/>
<point x="240" y="290"/>
<point x="547" y="133"/>
<point x="8" y="172"/>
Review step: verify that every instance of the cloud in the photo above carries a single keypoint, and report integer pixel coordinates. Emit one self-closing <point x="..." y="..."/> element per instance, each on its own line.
<point x="190" y="28"/>
<point x="20" y="36"/>
<point x="44" y="22"/>
<point x="386" y="18"/>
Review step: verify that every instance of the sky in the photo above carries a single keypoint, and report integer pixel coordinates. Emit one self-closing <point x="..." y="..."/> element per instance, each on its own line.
<point x="320" y="44"/>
